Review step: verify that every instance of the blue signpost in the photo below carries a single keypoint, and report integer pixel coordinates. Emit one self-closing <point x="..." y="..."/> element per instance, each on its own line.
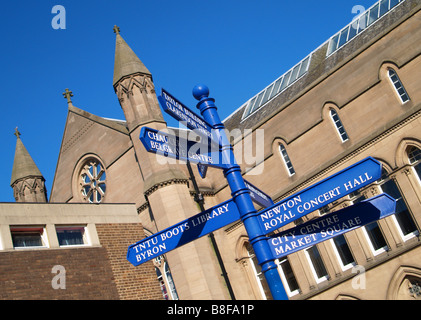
<point x="203" y="170"/>
<point x="175" y="147"/>
<point x="183" y="232"/>
<point x="258" y="196"/>
<point x="241" y="195"/>
<point x="331" y="225"/>
<point x="320" y="194"/>
<point x="257" y="225"/>
<point x="180" y="112"/>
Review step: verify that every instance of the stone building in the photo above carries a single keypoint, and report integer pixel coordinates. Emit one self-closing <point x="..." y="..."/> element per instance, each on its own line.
<point x="354" y="96"/>
<point x="67" y="251"/>
<point x="357" y="95"/>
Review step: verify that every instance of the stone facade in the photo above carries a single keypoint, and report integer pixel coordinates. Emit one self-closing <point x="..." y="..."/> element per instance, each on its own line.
<point x="102" y="161"/>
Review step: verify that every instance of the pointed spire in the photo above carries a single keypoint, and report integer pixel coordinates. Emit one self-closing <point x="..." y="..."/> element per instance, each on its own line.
<point x="126" y="62"/>
<point x="23" y="165"/>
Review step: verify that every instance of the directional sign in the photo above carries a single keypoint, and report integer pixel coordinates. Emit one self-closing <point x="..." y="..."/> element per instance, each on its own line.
<point x="258" y="196"/>
<point x="320" y="194"/>
<point x="203" y="170"/>
<point x="183" y="232"/>
<point x="331" y="225"/>
<point x="180" y="112"/>
<point x="175" y="147"/>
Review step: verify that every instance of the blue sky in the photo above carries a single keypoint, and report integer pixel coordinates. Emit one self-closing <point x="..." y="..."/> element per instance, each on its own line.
<point x="235" y="47"/>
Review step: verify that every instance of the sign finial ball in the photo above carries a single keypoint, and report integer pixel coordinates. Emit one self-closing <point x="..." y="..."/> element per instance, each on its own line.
<point x="200" y="91"/>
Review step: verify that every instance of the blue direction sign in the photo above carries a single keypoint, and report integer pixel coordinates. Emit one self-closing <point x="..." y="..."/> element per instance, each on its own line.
<point x="320" y="194"/>
<point x="183" y="232"/>
<point x="180" y="112"/>
<point x="258" y="196"/>
<point x="172" y="146"/>
<point x="203" y="170"/>
<point x="331" y="225"/>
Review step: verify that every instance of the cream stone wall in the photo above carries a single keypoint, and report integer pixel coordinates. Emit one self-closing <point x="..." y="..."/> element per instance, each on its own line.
<point x="353" y="81"/>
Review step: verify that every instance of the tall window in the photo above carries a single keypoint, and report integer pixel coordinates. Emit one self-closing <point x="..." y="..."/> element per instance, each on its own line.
<point x="165" y="279"/>
<point x="343" y="252"/>
<point x="170" y="282"/>
<point x="377" y="241"/>
<point x="340" y="246"/>
<point x="414" y="156"/>
<point x="287" y="160"/>
<point x="372" y="231"/>
<point x="93" y="181"/>
<point x="339" y="126"/>
<point x="162" y="284"/>
<point x="288" y="277"/>
<point x="316" y="264"/>
<point x="402" y="217"/>
<point x="400" y="90"/>
<point x="261" y="281"/>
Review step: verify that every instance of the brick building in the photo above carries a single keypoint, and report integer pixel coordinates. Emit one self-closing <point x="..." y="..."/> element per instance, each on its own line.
<point x="67" y="251"/>
<point x="356" y="95"/>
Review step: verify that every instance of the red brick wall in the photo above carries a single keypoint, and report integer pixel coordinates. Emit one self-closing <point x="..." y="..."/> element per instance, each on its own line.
<point x="28" y="274"/>
<point x="91" y="272"/>
<point x="132" y="282"/>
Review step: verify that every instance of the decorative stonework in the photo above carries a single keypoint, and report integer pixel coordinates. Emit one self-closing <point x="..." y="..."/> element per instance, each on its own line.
<point x="92" y="179"/>
<point x="31" y="189"/>
<point x="353" y="154"/>
<point x="76" y="137"/>
<point x="162" y="184"/>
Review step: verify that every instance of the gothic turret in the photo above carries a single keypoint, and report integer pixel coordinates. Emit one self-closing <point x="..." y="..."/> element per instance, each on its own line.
<point x="27" y="181"/>
<point x="165" y="184"/>
<point x="134" y="87"/>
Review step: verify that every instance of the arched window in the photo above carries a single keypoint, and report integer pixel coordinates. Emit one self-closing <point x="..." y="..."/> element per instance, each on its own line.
<point x="340" y="245"/>
<point x="162" y="283"/>
<point x="165" y="279"/>
<point x="287" y="160"/>
<point x="414" y="156"/>
<point x="400" y="90"/>
<point x="402" y="217"/>
<point x="339" y="126"/>
<point x="170" y="282"/>
<point x="93" y="181"/>
<point x="260" y="277"/>
<point x="372" y="231"/>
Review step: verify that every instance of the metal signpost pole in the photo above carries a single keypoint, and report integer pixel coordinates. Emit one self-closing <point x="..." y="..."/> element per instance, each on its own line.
<point x="241" y="195"/>
<point x="200" y="201"/>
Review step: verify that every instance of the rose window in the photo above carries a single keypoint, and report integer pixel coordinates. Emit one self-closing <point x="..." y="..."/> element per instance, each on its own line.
<point x="93" y="181"/>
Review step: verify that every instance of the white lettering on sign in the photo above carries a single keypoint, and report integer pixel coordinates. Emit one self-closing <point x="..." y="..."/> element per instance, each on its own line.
<point x="324" y="228"/>
<point x="209" y="215"/>
<point x="318" y="200"/>
<point x="157" y="137"/>
<point x="160" y="243"/>
<point x="162" y="142"/>
<point x="186" y="115"/>
<point x="280" y="213"/>
<point x="293" y="208"/>
<point x="356" y="182"/>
